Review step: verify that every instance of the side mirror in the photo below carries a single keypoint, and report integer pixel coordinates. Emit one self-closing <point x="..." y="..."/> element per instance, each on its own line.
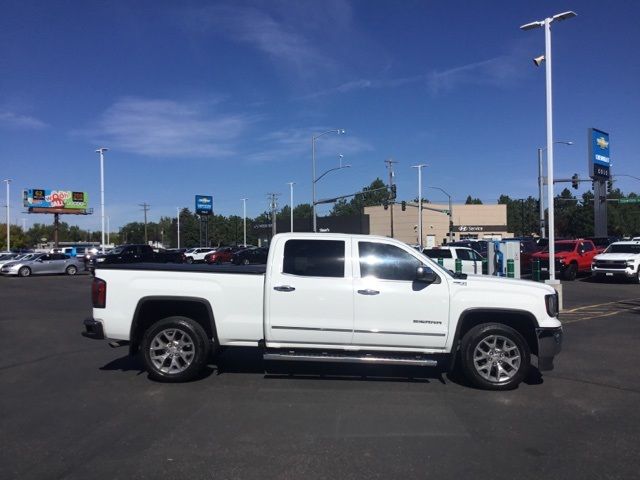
<point x="425" y="274"/>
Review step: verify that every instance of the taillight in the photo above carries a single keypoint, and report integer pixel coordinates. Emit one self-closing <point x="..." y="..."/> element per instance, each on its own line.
<point x="99" y="293"/>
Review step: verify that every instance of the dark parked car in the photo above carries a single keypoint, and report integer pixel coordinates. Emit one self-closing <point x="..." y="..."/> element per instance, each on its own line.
<point x="250" y="255"/>
<point x="137" y="254"/>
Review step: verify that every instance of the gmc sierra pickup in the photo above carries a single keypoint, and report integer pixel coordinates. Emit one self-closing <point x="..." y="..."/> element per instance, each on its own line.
<point x="328" y="298"/>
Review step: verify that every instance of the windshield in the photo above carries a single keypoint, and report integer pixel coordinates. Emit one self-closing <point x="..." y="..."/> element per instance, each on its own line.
<point x="622" y="248"/>
<point x="563" y="247"/>
<point x="117" y="250"/>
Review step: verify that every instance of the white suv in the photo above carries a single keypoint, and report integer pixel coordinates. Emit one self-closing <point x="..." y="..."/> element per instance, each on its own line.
<point x="620" y="259"/>
<point x="197" y="254"/>
<point x="470" y="259"/>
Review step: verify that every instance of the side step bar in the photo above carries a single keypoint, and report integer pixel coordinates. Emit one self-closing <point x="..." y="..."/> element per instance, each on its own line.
<point x="378" y="360"/>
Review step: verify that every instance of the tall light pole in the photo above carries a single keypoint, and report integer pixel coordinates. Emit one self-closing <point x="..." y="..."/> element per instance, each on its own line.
<point x="541" y="186"/>
<point x="291" y="184"/>
<point x="420" y="167"/>
<point x="244" y="221"/>
<point x="108" y="229"/>
<point x="450" y="213"/>
<point x="178" y="222"/>
<point x="339" y="131"/>
<point x="8" y="182"/>
<point x="101" y="151"/>
<point x="546" y="23"/>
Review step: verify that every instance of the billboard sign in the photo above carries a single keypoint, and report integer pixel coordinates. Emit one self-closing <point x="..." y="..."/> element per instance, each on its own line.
<point x="204" y="204"/>
<point x="58" y="199"/>
<point x="599" y="158"/>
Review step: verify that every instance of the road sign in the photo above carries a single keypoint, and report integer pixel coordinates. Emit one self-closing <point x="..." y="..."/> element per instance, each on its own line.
<point x="629" y="200"/>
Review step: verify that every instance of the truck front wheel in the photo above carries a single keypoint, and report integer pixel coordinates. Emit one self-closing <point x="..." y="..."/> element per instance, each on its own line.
<point x="175" y="349"/>
<point x="494" y="356"/>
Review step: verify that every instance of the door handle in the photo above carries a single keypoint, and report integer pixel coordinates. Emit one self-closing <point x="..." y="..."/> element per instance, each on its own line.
<point x="368" y="291"/>
<point x="284" y="288"/>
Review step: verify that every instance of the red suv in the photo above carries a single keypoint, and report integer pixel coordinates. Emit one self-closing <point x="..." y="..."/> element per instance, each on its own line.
<point x="220" y="255"/>
<point x="571" y="257"/>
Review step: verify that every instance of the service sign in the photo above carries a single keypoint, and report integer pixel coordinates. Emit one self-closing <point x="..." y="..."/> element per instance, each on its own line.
<point x="42" y="198"/>
<point x="204" y="204"/>
<point x="599" y="158"/>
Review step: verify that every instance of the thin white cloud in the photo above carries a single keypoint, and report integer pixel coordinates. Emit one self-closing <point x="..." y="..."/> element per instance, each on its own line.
<point x="364" y="84"/>
<point x="167" y="128"/>
<point x="14" y="120"/>
<point x="282" y="41"/>
<point x="296" y="143"/>
<point x="498" y="71"/>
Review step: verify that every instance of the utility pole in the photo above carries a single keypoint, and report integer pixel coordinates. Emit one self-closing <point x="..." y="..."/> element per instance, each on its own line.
<point x="178" y="218"/>
<point x="145" y="208"/>
<point x="273" y="204"/>
<point x="390" y="162"/>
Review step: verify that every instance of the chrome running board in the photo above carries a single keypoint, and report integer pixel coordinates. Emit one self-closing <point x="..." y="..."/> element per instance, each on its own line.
<point x="335" y="358"/>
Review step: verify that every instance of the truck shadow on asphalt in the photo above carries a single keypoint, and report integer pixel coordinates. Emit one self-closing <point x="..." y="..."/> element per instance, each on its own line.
<point x="239" y="360"/>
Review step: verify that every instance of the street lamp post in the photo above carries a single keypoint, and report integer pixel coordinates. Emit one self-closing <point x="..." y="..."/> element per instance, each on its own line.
<point x="419" y="167"/>
<point x="178" y="222"/>
<point x="546" y="23"/>
<point x="450" y="213"/>
<point x="101" y="151"/>
<point x="541" y="186"/>
<point x="244" y="221"/>
<point x="291" y="184"/>
<point x="8" y="182"/>
<point x="339" y="131"/>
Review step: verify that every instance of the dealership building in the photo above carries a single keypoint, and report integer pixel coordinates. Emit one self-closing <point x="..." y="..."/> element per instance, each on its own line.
<point x="468" y="222"/>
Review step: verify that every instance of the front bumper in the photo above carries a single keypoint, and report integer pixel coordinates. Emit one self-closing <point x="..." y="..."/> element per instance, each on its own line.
<point x="628" y="272"/>
<point x="93" y="329"/>
<point x="549" y="345"/>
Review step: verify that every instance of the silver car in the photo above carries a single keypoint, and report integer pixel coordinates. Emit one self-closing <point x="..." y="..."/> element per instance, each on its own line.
<point x="43" y="263"/>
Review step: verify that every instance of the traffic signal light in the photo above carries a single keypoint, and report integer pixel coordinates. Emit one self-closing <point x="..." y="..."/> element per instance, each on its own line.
<point x="392" y="195"/>
<point x="385" y="204"/>
<point x="404" y="205"/>
<point x="609" y="185"/>
<point x="575" y="180"/>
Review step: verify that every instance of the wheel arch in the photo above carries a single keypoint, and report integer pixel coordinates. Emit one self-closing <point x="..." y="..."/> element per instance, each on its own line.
<point x="522" y="321"/>
<point x="153" y="308"/>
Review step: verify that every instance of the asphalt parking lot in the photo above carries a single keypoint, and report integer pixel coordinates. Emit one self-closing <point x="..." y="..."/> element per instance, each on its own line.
<point x="76" y="408"/>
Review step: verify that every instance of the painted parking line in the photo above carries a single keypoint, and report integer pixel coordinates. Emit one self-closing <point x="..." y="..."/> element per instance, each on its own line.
<point x="600" y="310"/>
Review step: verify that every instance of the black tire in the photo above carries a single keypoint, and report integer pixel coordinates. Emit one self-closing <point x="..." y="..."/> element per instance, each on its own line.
<point x="219" y="261"/>
<point x="570" y="272"/>
<point x="71" y="270"/>
<point x="189" y="259"/>
<point x="637" y="277"/>
<point x="508" y="361"/>
<point x="184" y="328"/>
<point x="246" y="261"/>
<point x="24" y="271"/>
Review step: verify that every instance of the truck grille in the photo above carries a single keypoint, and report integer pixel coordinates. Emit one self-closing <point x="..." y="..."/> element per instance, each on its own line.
<point x="622" y="264"/>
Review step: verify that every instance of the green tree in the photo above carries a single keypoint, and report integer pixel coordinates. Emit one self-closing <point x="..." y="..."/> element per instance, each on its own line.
<point x="473" y="201"/>
<point x="375" y="193"/>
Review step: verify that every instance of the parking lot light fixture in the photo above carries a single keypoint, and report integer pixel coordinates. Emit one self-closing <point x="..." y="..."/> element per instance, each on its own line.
<point x="101" y="151"/>
<point x="8" y="182"/>
<point x="339" y="131"/>
<point x="546" y="23"/>
<point x="291" y="184"/>
<point x="244" y="221"/>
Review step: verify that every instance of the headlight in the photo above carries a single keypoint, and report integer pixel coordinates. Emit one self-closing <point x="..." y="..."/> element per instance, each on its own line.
<point x="551" y="302"/>
<point x="630" y="263"/>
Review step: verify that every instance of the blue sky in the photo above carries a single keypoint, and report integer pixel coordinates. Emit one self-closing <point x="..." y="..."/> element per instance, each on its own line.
<point x="222" y="98"/>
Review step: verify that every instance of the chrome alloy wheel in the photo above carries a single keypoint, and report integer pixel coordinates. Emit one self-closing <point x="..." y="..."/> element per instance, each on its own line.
<point x="496" y="358"/>
<point x="172" y="351"/>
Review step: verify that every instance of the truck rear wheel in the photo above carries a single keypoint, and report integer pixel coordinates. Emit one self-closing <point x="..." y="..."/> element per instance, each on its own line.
<point x="175" y="349"/>
<point x="570" y="272"/>
<point x="494" y="356"/>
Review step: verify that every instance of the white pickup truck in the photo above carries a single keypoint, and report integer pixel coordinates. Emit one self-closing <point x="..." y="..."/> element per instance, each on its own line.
<point x="328" y="298"/>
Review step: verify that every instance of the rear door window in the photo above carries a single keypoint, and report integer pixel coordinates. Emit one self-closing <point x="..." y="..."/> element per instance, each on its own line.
<point x="314" y="258"/>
